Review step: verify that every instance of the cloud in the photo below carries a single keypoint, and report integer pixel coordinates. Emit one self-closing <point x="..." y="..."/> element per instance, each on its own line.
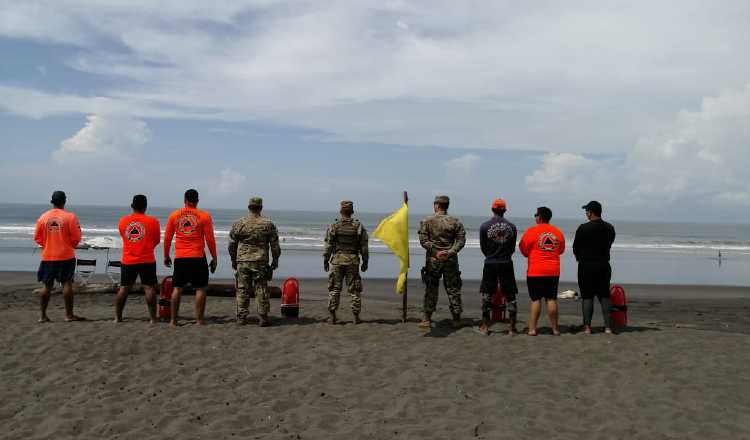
<point x="462" y="167"/>
<point x="105" y="136"/>
<point x="477" y="75"/>
<point x="701" y="157"/>
<point x="229" y="181"/>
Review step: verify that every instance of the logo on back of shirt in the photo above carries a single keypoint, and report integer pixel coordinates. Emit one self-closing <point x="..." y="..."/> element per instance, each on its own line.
<point x="187" y="224"/>
<point x="548" y="242"/>
<point x="54" y="224"/>
<point x="134" y="232"/>
<point x="500" y="232"/>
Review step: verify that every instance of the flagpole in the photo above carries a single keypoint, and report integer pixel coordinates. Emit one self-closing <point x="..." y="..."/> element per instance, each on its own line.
<point x="406" y="281"/>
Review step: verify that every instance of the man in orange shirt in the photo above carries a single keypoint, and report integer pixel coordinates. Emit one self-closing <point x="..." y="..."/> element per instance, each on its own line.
<point x="140" y="234"/>
<point x="542" y="245"/>
<point x="193" y="229"/>
<point x="58" y="233"/>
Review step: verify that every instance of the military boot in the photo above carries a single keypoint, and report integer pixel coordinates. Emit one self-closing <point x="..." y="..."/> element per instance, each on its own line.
<point x="457" y="324"/>
<point x="332" y="318"/>
<point x="356" y="319"/>
<point x="264" y="321"/>
<point x="426" y="322"/>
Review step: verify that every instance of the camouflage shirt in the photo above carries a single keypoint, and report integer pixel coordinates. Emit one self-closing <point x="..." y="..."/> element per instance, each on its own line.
<point x="346" y="240"/>
<point x="250" y="239"/>
<point x="441" y="232"/>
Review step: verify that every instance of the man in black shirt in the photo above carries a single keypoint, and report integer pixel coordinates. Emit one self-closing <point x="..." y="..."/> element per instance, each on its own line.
<point x="591" y="247"/>
<point x="497" y="239"/>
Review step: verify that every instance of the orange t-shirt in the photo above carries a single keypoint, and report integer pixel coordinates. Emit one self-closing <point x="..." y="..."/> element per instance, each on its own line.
<point x="192" y="229"/>
<point x="140" y="234"/>
<point x="58" y="233"/>
<point x="543" y="244"/>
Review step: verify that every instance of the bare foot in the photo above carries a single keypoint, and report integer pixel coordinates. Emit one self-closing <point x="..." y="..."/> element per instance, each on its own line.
<point x="44" y="319"/>
<point x="74" y="318"/>
<point x="587" y="329"/>
<point x="512" y="331"/>
<point x="608" y="331"/>
<point x="117" y="320"/>
<point x="556" y="332"/>
<point x="425" y="324"/>
<point x="173" y="324"/>
<point x="532" y="332"/>
<point x="200" y="322"/>
<point x="152" y="321"/>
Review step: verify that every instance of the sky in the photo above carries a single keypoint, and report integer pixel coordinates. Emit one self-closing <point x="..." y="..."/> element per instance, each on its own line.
<point x="642" y="105"/>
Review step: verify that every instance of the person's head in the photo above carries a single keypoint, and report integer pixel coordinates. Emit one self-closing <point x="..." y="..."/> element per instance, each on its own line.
<point x="499" y="207"/>
<point x="543" y="215"/>
<point x="593" y="210"/>
<point x="255" y="205"/>
<point x="347" y="208"/>
<point x="191" y="197"/>
<point x="140" y="203"/>
<point x="58" y="199"/>
<point x="441" y="204"/>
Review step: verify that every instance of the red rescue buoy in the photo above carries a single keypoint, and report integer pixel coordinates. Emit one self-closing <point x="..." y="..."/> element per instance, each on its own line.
<point x="165" y="299"/>
<point x="290" y="298"/>
<point x="499" y="304"/>
<point x="619" y="311"/>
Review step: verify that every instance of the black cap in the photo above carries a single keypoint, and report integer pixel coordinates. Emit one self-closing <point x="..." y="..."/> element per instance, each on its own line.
<point x="58" y="198"/>
<point x="593" y="206"/>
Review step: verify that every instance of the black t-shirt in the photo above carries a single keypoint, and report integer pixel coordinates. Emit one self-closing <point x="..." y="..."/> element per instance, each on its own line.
<point x="497" y="239"/>
<point x="593" y="241"/>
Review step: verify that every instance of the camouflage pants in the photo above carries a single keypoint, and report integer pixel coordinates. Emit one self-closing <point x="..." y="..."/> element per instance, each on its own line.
<point x="252" y="277"/>
<point x="431" y="274"/>
<point x="339" y="274"/>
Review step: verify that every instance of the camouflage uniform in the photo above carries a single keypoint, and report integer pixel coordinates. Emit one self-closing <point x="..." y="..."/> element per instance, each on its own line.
<point x="441" y="232"/>
<point x="346" y="240"/>
<point x="249" y="242"/>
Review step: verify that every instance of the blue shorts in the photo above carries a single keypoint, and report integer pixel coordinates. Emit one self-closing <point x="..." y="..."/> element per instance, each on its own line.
<point x="51" y="271"/>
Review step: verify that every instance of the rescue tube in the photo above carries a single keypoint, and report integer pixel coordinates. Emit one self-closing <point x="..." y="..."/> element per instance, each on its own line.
<point x="619" y="311"/>
<point x="290" y="298"/>
<point x="498" y="305"/>
<point x="165" y="299"/>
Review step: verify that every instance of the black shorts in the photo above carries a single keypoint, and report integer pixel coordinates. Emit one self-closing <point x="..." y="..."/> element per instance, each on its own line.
<point x="130" y="272"/>
<point x="51" y="271"/>
<point x="193" y="271"/>
<point x="499" y="273"/>
<point x="594" y="278"/>
<point x="542" y="287"/>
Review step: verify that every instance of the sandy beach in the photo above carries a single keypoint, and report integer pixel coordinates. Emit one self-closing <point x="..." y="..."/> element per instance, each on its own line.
<point x="679" y="371"/>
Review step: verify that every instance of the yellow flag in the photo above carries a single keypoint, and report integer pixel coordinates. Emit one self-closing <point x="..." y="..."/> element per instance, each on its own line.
<point x="394" y="232"/>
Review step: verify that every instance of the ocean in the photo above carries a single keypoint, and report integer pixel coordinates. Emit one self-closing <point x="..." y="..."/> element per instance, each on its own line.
<point x="644" y="252"/>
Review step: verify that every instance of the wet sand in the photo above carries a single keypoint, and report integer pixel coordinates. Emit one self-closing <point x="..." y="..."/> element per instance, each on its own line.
<point x="679" y="371"/>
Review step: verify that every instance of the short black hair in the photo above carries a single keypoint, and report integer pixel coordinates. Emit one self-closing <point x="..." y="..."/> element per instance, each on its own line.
<point x="544" y="213"/>
<point x="498" y="211"/>
<point x="443" y="206"/>
<point x="191" y="196"/>
<point x="140" y="203"/>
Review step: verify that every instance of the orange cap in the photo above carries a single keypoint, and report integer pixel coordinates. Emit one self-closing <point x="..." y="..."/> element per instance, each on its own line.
<point x="499" y="203"/>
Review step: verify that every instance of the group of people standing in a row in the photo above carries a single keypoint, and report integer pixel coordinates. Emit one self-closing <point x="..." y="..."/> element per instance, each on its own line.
<point x="254" y="250"/>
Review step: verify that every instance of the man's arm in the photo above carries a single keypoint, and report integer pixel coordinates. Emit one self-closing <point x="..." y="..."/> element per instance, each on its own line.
<point x="156" y="233"/>
<point x="562" y="242"/>
<point x="210" y="238"/>
<point x="460" y="240"/>
<point x="364" y="249"/>
<point x="523" y="246"/>
<point x="424" y="237"/>
<point x="577" y="243"/>
<point x="275" y="248"/>
<point x="74" y="231"/>
<point x="328" y="248"/>
<point x="168" y="234"/>
<point x="232" y="246"/>
<point x="39" y="232"/>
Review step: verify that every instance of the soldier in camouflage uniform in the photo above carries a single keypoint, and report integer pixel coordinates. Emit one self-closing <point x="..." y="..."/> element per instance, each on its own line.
<point x="443" y="237"/>
<point x="346" y="241"/>
<point x="249" y="242"/>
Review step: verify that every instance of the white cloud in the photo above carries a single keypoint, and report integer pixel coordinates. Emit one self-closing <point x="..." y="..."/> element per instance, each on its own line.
<point x="229" y="181"/>
<point x="105" y="136"/>
<point x="702" y="157"/>
<point x="578" y="77"/>
<point x="462" y="167"/>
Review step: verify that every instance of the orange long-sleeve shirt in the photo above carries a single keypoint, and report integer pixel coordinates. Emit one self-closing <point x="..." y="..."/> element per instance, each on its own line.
<point x="140" y="235"/>
<point x="192" y="230"/>
<point x="543" y="244"/>
<point x="58" y="233"/>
